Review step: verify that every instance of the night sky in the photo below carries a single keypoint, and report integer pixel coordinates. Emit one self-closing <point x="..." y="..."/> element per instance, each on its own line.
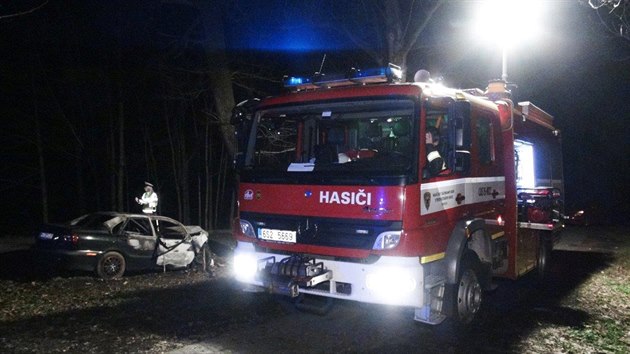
<point x="69" y="62"/>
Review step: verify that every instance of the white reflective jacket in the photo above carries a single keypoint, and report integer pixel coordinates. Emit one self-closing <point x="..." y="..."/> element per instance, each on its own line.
<point x="436" y="162"/>
<point x="149" y="202"/>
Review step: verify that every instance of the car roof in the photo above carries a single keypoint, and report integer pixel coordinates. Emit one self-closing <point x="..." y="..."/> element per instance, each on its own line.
<point x="134" y="215"/>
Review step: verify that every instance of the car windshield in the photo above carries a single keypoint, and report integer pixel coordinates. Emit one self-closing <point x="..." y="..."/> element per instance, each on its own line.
<point x="359" y="137"/>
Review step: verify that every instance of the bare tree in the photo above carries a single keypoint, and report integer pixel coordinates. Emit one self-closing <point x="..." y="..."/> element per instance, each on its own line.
<point x="398" y="29"/>
<point x="219" y="73"/>
<point x="25" y="12"/>
<point x="614" y="15"/>
<point x="197" y="100"/>
<point x="43" y="182"/>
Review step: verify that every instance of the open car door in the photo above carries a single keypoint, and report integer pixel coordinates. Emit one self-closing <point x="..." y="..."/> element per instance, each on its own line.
<point x="175" y="246"/>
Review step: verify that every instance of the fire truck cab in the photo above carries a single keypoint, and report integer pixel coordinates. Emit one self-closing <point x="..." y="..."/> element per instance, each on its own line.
<point x="365" y="188"/>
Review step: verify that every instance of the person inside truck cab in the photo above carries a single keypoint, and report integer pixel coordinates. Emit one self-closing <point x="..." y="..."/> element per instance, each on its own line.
<point x="435" y="162"/>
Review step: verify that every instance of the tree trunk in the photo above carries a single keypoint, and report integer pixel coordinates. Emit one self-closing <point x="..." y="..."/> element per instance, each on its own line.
<point x="121" y="156"/>
<point x="40" y="150"/>
<point x="174" y="163"/>
<point x="219" y="189"/>
<point x="79" y="174"/>
<point x="112" y="160"/>
<point x="219" y="73"/>
<point x="208" y="177"/>
<point x="42" y="168"/>
<point x="403" y="23"/>
<point x="184" y="174"/>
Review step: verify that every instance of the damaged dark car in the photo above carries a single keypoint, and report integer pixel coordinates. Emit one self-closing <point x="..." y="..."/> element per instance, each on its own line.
<point x="111" y="243"/>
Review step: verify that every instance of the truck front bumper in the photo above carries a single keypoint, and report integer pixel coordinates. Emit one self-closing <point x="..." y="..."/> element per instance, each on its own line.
<point x="389" y="280"/>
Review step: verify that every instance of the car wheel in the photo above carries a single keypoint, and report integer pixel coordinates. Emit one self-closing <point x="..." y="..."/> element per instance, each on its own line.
<point x="111" y="266"/>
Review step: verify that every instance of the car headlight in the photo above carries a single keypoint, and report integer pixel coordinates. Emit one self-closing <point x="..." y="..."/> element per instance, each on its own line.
<point x="247" y="229"/>
<point x="245" y="267"/>
<point x="387" y="240"/>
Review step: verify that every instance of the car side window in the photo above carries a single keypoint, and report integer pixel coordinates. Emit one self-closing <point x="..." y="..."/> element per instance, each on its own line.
<point x="171" y="230"/>
<point x="139" y="226"/>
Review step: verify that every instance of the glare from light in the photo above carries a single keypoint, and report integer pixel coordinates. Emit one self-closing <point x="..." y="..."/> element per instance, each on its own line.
<point x="390" y="284"/>
<point x="245" y="267"/>
<point x="525" y="174"/>
<point x="505" y="22"/>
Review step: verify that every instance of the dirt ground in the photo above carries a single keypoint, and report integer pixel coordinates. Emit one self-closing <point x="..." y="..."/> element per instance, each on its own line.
<point x="584" y="307"/>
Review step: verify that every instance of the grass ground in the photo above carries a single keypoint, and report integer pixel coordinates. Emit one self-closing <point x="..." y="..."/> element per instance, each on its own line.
<point x="604" y="297"/>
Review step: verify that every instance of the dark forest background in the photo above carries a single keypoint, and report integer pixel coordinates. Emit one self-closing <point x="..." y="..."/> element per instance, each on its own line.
<point x="100" y="96"/>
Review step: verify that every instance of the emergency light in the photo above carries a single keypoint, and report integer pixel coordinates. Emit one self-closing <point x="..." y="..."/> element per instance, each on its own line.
<point x="390" y="73"/>
<point x="298" y="83"/>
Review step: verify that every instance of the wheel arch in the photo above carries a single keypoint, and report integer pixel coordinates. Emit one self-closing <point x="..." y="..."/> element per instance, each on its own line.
<point x="462" y="234"/>
<point x="106" y="251"/>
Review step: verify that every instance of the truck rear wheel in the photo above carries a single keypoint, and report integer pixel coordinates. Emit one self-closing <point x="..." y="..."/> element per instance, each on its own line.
<point x="544" y="258"/>
<point x="468" y="293"/>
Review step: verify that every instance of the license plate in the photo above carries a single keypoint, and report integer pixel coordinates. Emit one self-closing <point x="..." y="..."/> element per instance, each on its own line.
<point x="277" y="235"/>
<point x="45" y="235"/>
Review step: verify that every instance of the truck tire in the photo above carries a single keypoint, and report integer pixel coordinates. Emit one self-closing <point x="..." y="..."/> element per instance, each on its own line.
<point x="468" y="294"/>
<point x="111" y="265"/>
<point x="465" y="298"/>
<point x="543" y="260"/>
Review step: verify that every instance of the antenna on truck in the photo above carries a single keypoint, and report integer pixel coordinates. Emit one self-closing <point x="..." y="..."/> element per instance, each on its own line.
<point x="321" y="66"/>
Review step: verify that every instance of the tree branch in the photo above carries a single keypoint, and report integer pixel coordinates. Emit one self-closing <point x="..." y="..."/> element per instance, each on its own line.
<point x="25" y="12"/>
<point x="409" y="43"/>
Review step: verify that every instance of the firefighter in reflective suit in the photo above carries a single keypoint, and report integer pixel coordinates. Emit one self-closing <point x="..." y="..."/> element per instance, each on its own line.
<point x="435" y="161"/>
<point x="149" y="199"/>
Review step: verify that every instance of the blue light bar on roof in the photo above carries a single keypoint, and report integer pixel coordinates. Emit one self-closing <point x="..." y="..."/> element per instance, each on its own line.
<point x="292" y="80"/>
<point x="391" y="73"/>
<point x="298" y="83"/>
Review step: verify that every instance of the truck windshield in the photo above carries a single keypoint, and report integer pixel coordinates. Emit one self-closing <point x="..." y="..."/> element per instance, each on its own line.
<point x="368" y="138"/>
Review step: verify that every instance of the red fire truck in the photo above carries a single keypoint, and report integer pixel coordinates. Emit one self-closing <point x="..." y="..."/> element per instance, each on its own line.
<point x="365" y="188"/>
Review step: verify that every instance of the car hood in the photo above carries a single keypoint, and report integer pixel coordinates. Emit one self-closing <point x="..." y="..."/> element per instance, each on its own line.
<point x="199" y="236"/>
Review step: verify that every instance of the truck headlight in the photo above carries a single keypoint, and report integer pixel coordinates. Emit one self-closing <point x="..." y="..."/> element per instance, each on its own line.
<point x="387" y="240"/>
<point x="245" y="267"/>
<point x="391" y="283"/>
<point x="247" y="229"/>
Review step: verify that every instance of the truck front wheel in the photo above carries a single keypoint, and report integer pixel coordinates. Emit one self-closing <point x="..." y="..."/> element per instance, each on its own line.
<point x="468" y="292"/>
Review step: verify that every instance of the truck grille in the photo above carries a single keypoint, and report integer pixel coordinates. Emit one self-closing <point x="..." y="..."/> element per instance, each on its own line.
<point x="329" y="232"/>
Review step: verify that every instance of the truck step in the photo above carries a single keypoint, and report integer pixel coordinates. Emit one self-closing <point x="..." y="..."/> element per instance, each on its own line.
<point x="432" y="281"/>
